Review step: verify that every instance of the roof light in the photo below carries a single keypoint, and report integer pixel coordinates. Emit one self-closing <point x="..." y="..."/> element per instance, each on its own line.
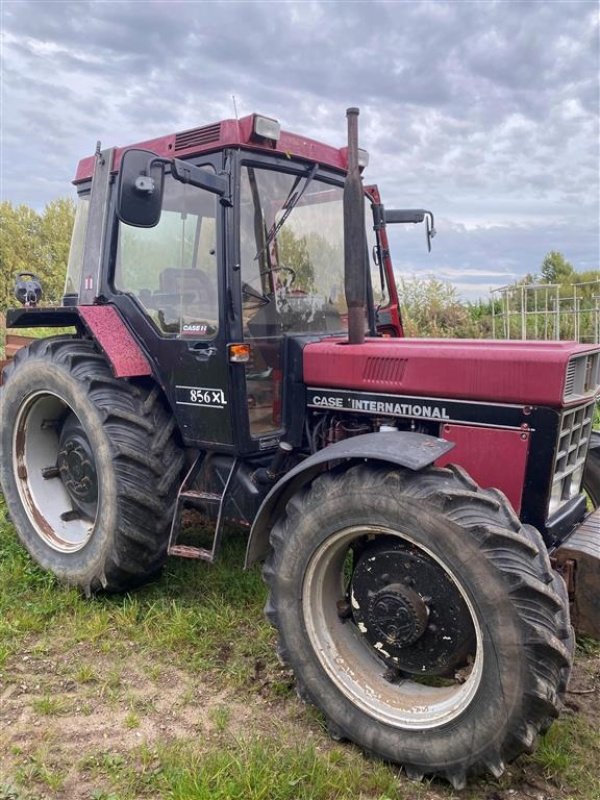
<point x="266" y="128"/>
<point x="363" y="158"/>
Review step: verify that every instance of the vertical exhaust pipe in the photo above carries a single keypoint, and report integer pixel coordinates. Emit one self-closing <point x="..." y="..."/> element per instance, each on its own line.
<point x="355" y="240"/>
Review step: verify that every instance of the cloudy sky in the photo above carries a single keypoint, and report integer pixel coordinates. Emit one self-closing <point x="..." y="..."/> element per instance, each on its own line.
<point x="485" y="112"/>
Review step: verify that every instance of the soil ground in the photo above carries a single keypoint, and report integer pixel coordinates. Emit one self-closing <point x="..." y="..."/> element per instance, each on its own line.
<point x="75" y="728"/>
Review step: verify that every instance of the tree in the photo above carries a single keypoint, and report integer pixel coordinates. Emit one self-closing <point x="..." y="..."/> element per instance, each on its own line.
<point x="38" y="243"/>
<point x="432" y="308"/>
<point x="556" y="269"/>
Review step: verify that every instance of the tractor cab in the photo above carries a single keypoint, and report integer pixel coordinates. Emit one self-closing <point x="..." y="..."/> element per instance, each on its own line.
<point x="218" y="258"/>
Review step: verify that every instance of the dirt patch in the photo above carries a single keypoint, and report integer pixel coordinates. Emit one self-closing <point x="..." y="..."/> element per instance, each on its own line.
<point x="66" y="711"/>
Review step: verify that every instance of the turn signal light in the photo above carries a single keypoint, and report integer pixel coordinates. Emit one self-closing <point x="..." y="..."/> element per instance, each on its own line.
<point x="239" y="353"/>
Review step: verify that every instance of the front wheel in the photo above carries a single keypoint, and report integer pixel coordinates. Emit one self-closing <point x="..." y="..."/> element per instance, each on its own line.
<point x="420" y="617"/>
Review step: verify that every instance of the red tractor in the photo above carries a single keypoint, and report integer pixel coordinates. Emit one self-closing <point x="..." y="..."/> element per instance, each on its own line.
<point x="239" y="351"/>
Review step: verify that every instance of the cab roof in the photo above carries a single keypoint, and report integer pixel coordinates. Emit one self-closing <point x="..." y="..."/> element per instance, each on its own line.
<point x="229" y="133"/>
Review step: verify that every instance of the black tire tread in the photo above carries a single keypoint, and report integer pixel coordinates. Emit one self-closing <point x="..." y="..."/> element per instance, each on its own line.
<point x="519" y="554"/>
<point x="147" y="458"/>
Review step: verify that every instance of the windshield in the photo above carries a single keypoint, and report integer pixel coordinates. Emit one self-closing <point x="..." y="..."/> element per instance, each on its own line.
<point x="292" y="251"/>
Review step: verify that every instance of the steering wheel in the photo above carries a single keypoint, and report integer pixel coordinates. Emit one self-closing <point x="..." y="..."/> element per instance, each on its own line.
<point x="280" y="268"/>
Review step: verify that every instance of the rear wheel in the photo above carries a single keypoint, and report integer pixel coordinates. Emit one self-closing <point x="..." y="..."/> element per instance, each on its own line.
<point x="89" y="465"/>
<point x="421" y="618"/>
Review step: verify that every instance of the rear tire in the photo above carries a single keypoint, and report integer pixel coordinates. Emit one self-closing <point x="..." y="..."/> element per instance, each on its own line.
<point x="89" y="465"/>
<point x="485" y="575"/>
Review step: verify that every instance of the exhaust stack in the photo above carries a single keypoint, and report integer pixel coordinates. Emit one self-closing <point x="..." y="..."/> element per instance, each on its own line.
<point x="355" y="240"/>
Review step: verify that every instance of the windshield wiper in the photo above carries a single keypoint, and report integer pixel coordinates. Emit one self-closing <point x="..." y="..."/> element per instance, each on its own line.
<point x="289" y="205"/>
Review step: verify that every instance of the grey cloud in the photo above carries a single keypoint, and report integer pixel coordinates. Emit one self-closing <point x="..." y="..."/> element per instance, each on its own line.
<point x="486" y="111"/>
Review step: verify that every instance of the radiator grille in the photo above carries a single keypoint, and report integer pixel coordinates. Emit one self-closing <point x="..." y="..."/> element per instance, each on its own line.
<point x="573" y="442"/>
<point x="197" y="137"/>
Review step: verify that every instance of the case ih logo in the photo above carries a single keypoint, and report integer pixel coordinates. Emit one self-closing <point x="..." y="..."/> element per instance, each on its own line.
<point x="200" y="396"/>
<point x="193" y="328"/>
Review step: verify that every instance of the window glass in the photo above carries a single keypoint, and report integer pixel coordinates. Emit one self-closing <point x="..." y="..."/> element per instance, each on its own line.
<point x="172" y="268"/>
<point x="75" y="266"/>
<point x="292" y="253"/>
<point x="292" y="271"/>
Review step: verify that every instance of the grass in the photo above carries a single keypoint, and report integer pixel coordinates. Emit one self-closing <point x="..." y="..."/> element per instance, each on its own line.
<point x="232" y="725"/>
<point x="201" y="617"/>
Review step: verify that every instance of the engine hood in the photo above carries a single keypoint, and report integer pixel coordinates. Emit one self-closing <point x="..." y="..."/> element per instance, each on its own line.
<point x="535" y="373"/>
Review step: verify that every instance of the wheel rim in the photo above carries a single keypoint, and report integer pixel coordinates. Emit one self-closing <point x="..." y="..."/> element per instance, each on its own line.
<point x="355" y="665"/>
<point x="55" y="472"/>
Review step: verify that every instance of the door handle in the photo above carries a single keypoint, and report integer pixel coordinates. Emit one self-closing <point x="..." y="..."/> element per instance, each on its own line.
<point x="203" y="353"/>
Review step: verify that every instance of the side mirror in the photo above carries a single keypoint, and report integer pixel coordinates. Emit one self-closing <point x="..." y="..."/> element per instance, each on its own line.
<point x="140" y="188"/>
<point x="386" y="216"/>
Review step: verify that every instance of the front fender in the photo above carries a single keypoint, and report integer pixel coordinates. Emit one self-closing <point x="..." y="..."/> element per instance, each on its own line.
<point x="402" y="448"/>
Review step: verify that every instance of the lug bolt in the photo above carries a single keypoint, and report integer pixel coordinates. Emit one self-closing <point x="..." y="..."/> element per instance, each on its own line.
<point x="344" y="609"/>
<point x="392" y="675"/>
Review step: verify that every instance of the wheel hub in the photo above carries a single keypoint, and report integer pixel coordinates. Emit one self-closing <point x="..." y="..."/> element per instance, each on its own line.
<point x="77" y="467"/>
<point x="398" y="614"/>
<point x="409" y="609"/>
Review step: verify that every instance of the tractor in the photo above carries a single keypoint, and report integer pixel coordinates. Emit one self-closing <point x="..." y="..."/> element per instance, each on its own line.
<point x="427" y="511"/>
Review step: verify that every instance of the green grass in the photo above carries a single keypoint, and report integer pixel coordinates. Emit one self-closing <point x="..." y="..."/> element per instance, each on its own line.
<point x="567" y="755"/>
<point x="207" y="623"/>
<point x="35" y="333"/>
<point x="238" y="769"/>
<point x="204" y="617"/>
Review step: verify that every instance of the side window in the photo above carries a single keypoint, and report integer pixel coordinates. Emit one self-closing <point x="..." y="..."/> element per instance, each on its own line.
<point x="75" y="265"/>
<point x="172" y="268"/>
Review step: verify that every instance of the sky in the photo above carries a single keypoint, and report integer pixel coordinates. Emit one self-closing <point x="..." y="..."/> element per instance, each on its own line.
<point x="487" y="113"/>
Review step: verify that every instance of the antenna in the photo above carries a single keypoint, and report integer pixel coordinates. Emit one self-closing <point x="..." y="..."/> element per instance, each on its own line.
<point x="235" y="111"/>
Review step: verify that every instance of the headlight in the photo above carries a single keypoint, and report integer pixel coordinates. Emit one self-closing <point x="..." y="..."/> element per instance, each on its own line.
<point x="576" y="478"/>
<point x="556" y="498"/>
<point x="363" y="158"/>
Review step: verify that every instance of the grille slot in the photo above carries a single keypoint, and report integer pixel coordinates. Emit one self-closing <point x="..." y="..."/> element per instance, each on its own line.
<point x="384" y="370"/>
<point x="582" y="377"/>
<point x="197" y="137"/>
<point x="572" y="447"/>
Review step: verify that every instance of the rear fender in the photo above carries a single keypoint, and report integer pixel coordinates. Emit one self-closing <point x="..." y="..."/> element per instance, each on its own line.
<point x="102" y="322"/>
<point x="401" y="448"/>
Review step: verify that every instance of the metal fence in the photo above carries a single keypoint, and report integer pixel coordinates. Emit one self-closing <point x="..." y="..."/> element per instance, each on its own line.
<point x="547" y="311"/>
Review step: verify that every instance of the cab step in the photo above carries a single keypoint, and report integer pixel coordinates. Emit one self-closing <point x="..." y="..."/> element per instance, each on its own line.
<point x="189" y="497"/>
<point x="188" y="551"/>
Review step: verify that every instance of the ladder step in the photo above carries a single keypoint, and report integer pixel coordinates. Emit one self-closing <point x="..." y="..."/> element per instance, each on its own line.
<point x="187" y="551"/>
<point x="206" y="497"/>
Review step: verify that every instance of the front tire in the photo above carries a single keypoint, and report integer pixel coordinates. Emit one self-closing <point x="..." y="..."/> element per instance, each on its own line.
<point x="420" y="617"/>
<point x="591" y="474"/>
<point x="89" y="465"/>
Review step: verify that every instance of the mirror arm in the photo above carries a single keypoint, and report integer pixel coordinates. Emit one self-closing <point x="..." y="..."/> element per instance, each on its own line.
<point x="196" y="176"/>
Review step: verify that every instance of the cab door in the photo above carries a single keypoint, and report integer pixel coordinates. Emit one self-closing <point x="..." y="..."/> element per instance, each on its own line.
<point x="169" y="281"/>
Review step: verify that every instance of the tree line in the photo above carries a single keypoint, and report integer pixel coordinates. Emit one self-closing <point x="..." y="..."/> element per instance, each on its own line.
<point x="36" y="242"/>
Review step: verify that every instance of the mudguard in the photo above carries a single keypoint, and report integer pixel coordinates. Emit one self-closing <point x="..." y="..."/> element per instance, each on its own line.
<point x="103" y="322"/>
<point x="402" y="448"/>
